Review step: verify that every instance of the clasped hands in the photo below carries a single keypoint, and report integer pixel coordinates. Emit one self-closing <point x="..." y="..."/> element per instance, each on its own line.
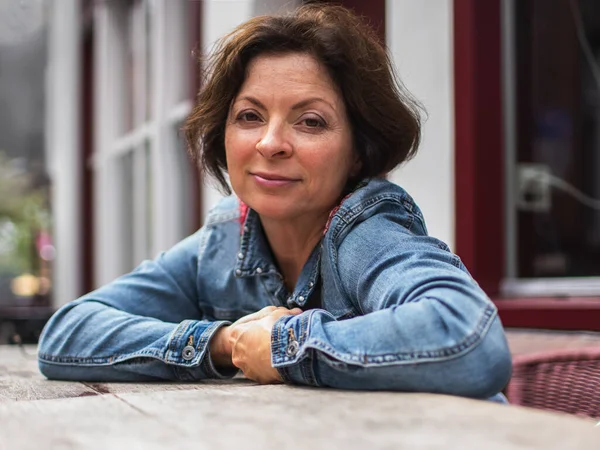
<point x="246" y="344"/>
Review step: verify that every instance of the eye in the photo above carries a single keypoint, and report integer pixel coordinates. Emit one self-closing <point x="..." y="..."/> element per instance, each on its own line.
<point x="313" y="122"/>
<point x="248" y="116"/>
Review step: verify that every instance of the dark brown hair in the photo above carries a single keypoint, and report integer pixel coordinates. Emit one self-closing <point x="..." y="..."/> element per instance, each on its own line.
<point x="385" y="120"/>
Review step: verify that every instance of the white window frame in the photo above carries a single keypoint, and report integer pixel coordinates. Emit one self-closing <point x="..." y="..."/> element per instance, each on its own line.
<point x="169" y="108"/>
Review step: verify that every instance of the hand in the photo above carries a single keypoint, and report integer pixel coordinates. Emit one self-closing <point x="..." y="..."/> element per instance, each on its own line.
<point x="251" y="346"/>
<point x="221" y="343"/>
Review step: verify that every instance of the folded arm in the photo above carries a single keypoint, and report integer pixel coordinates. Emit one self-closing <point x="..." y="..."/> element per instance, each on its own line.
<point x="427" y="326"/>
<point x="145" y="325"/>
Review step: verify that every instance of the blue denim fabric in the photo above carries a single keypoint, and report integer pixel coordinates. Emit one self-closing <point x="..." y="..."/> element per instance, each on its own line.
<point x="398" y="310"/>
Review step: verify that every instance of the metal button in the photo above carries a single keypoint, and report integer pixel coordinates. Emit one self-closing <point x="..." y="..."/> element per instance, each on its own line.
<point x="258" y="270"/>
<point x="311" y="284"/>
<point x="301" y="298"/>
<point x="292" y="348"/>
<point x="238" y="272"/>
<point x="240" y="255"/>
<point x="188" y="352"/>
<point x="245" y="229"/>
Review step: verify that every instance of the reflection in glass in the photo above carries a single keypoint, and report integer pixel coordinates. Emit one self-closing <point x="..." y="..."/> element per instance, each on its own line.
<point x="558" y="123"/>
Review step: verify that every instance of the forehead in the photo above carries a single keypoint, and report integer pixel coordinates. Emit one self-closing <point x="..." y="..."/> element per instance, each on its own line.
<point x="289" y="73"/>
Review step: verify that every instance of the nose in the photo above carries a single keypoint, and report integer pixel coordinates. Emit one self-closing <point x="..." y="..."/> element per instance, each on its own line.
<point x="273" y="143"/>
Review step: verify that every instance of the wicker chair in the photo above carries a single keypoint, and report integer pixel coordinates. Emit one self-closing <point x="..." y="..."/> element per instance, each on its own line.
<point x="560" y="380"/>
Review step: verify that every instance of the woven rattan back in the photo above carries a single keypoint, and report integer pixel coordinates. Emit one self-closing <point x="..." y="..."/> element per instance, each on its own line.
<point x="561" y="380"/>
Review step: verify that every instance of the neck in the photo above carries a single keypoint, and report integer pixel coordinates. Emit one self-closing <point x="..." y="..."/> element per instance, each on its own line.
<point x="292" y="242"/>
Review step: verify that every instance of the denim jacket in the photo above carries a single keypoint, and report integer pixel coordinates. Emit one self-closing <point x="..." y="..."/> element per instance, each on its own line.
<point x="395" y="309"/>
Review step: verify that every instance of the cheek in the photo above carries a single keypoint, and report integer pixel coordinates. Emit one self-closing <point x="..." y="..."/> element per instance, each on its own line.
<point x="240" y="143"/>
<point x="228" y="145"/>
<point x="330" y="170"/>
<point x="234" y="149"/>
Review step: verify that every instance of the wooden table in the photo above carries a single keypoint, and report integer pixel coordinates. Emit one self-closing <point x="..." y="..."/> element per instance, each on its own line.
<point x="238" y="414"/>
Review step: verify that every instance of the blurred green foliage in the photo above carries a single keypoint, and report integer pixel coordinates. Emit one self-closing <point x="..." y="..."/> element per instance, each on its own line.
<point x="23" y="213"/>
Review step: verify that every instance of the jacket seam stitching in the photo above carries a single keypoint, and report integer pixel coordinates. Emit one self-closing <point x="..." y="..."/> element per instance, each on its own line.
<point x="463" y="347"/>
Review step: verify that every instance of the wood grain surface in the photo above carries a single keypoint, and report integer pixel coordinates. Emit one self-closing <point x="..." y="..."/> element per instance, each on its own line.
<point x="37" y="413"/>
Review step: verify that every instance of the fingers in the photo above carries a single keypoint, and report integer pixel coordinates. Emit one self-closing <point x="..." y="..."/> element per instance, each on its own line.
<point x="267" y="311"/>
<point x="251" y="343"/>
<point x="257" y="315"/>
<point x="239" y="362"/>
<point x="265" y="318"/>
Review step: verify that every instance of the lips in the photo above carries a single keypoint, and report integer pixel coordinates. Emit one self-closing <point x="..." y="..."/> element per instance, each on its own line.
<point x="272" y="180"/>
<point x="273" y="176"/>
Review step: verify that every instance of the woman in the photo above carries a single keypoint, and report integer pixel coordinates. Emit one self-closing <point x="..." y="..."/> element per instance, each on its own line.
<point x="318" y="271"/>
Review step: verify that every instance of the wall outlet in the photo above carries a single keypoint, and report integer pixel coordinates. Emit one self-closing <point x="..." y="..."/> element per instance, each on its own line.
<point x="534" y="190"/>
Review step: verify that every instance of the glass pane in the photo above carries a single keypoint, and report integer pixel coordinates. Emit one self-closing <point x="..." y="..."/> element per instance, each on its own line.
<point x="127" y="213"/>
<point x="558" y="123"/>
<point x="131" y="84"/>
<point x="182" y="56"/>
<point x="26" y="246"/>
<point x="137" y="75"/>
<point x="148" y="40"/>
<point x="148" y="201"/>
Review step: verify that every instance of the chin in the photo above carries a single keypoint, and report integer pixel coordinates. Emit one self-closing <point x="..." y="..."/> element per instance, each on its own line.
<point x="273" y="208"/>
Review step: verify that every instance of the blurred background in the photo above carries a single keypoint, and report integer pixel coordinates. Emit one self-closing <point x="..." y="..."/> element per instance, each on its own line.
<point x="94" y="175"/>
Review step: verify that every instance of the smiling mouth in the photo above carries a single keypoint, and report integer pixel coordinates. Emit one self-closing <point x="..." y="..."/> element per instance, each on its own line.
<point x="272" y="180"/>
<point x="272" y="177"/>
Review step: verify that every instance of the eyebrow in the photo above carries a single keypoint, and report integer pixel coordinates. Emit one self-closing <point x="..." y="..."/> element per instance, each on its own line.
<point x="298" y="105"/>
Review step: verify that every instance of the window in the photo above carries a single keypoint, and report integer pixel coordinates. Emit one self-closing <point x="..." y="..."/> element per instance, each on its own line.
<point x="555" y="110"/>
<point x="145" y="183"/>
<point x="26" y="237"/>
<point x="486" y="75"/>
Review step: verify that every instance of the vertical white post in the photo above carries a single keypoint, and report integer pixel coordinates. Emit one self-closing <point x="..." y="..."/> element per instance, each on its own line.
<point x="108" y="90"/>
<point x="419" y="36"/>
<point x="64" y="142"/>
<point x="164" y="216"/>
<point x="170" y="68"/>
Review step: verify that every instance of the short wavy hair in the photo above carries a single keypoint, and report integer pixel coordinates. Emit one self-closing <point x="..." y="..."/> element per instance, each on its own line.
<point x="384" y="118"/>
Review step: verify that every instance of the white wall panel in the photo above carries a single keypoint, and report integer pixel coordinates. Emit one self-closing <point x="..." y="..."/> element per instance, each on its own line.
<point x="420" y="37"/>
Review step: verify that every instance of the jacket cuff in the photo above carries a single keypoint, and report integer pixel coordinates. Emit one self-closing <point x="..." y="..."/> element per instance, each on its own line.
<point x="188" y="350"/>
<point x="207" y="364"/>
<point x="290" y="355"/>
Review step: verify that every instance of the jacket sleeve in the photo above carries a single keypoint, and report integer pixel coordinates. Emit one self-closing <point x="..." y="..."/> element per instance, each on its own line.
<point x="423" y="325"/>
<point x="145" y="325"/>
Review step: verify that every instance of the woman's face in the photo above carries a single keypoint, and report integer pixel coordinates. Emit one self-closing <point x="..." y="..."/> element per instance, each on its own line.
<point x="288" y="141"/>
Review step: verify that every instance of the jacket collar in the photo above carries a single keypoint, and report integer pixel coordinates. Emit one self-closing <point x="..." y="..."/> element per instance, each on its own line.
<point x="255" y="258"/>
